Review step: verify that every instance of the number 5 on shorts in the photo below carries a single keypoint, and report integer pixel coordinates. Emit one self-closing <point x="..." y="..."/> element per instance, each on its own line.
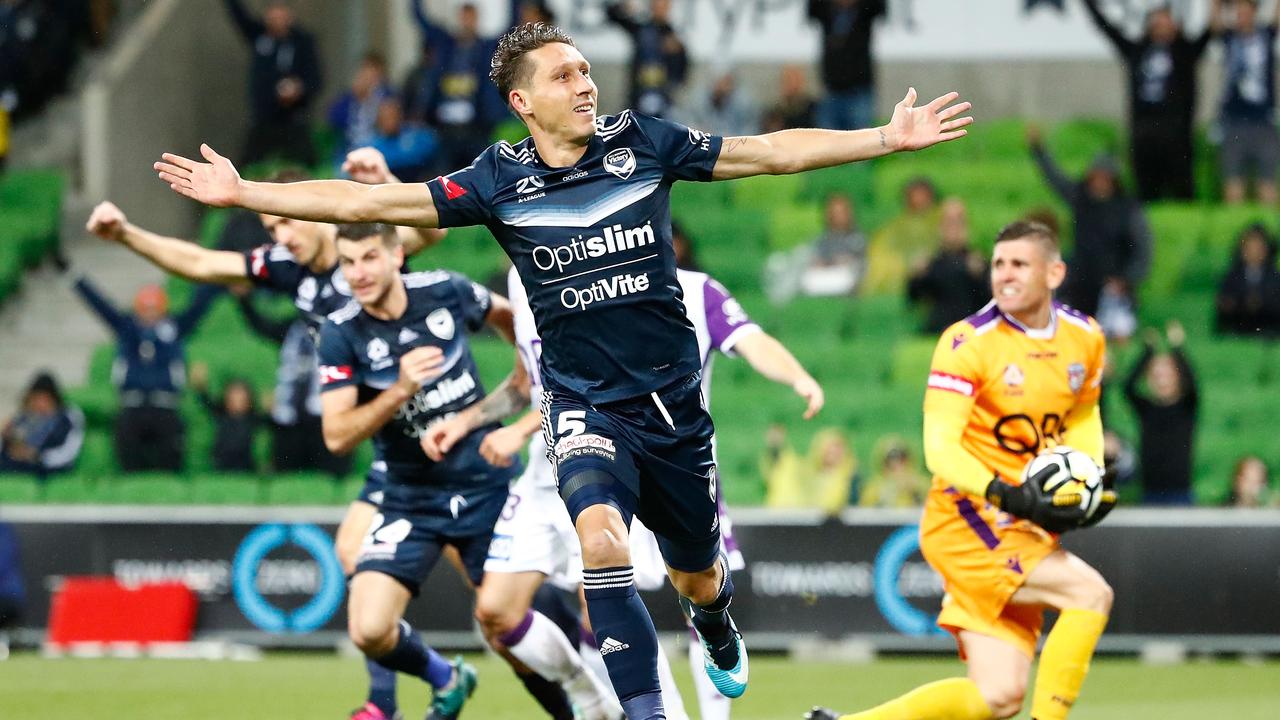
<point x="571" y="423"/>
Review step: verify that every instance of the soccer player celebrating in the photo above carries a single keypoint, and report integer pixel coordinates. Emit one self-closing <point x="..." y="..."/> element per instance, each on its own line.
<point x="582" y="209"/>
<point x="1022" y="374"/>
<point x="534" y="539"/>
<point x="391" y="362"/>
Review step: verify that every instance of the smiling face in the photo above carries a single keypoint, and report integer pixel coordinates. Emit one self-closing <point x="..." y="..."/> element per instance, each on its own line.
<point x="556" y="94"/>
<point x="370" y="267"/>
<point x="1024" y="274"/>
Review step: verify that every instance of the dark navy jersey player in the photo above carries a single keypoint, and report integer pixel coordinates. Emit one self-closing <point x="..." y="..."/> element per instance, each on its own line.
<point x="392" y="362"/>
<point x="581" y="208"/>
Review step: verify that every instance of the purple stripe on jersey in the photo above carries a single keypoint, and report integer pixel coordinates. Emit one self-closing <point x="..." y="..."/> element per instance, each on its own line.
<point x="724" y="314"/>
<point x="987" y="314"/>
<point x="1071" y="311"/>
<point x="980" y="527"/>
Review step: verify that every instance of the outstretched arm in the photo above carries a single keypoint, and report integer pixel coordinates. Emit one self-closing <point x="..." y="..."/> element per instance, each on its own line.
<point x="100" y="304"/>
<point x="1124" y="45"/>
<point x="792" y="151"/>
<point x="369" y="166"/>
<point x="249" y="26"/>
<point x="771" y="359"/>
<point x="217" y="183"/>
<point x="178" y="257"/>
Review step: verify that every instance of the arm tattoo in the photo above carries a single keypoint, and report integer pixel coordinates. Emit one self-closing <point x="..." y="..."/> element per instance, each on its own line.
<point x="882" y="141"/>
<point x="505" y="400"/>
<point x="734" y="144"/>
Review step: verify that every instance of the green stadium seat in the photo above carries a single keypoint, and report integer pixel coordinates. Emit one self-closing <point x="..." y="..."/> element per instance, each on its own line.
<point x="72" y="490"/>
<point x="793" y="225"/>
<point x="303" y="489"/>
<point x="1177" y="230"/>
<point x="19" y="489"/>
<point x="146" y="489"/>
<point x="226" y="489"/>
<point x="763" y="191"/>
<point x="97" y="454"/>
<point x="911" y="359"/>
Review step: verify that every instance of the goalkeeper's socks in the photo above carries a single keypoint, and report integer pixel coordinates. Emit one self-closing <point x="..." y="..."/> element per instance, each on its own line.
<point x="1064" y="662"/>
<point x="951" y="699"/>
<point x="412" y="657"/>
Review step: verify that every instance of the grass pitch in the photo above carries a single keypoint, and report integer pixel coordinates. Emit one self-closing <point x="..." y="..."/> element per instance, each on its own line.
<point x="326" y="686"/>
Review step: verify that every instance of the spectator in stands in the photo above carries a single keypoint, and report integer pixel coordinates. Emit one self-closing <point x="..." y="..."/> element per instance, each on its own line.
<point x="1249" y="295"/>
<point x="150" y="371"/>
<point x="235" y="417"/>
<point x="1162" y="96"/>
<point x="1112" y="238"/>
<point x="297" y="442"/>
<point x="898" y="483"/>
<point x="686" y="256"/>
<point x="782" y="470"/>
<point x="1119" y="459"/>
<point x="659" y="64"/>
<point x="1249" y="140"/>
<point x="409" y="148"/>
<point x="45" y="435"/>
<point x="531" y="11"/>
<point x="795" y="107"/>
<point x="848" y="67"/>
<point x="833" y="469"/>
<point x="1251" y="484"/>
<point x="904" y="241"/>
<point x="953" y="283"/>
<point x="723" y="108"/>
<point x="354" y="115"/>
<point x="455" y="95"/>
<point x="836" y="260"/>
<point x="1166" y="416"/>
<point x="284" y="79"/>
<point x="39" y="44"/>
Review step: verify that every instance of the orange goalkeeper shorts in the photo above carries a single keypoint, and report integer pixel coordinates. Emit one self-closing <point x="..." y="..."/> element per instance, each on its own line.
<point x="984" y="556"/>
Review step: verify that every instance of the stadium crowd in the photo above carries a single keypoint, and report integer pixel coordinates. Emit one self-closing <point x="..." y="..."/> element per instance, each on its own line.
<point x="445" y="110"/>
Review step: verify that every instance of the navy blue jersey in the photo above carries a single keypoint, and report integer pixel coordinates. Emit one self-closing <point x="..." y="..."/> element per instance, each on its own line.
<point x="316" y="295"/>
<point x="359" y="349"/>
<point x="592" y="245"/>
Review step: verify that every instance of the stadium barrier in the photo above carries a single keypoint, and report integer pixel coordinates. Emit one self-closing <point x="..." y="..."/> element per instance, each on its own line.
<point x="1198" y="580"/>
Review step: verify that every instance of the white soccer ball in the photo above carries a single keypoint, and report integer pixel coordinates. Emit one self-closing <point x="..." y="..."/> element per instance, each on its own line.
<point x="1076" y="477"/>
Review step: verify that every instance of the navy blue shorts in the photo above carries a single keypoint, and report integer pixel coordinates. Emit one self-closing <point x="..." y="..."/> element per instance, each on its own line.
<point x="407" y="544"/>
<point x="649" y="457"/>
<point x="375" y="482"/>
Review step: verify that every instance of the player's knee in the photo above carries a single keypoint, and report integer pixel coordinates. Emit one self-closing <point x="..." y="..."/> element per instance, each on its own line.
<point x="496" y="619"/>
<point x="1004" y="696"/>
<point x="700" y="587"/>
<point x="604" y="548"/>
<point x="375" y="636"/>
<point x="1098" y="596"/>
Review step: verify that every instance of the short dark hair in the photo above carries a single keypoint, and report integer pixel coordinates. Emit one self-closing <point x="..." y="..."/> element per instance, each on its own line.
<point x="1030" y="230"/>
<point x="360" y="231"/>
<point x="508" y="67"/>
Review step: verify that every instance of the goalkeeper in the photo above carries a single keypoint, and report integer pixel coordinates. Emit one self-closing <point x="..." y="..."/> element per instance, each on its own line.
<point x="1020" y="375"/>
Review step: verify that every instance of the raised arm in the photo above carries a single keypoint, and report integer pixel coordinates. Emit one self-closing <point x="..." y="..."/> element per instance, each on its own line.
<point x="619" y="14"/>
<point x="369" y="166"/>
<point x="771" y="359"/>
<point x="268" y="328"/>
<point x="217" y="183"/>
<point x="1053" y="174"/>
<point x="178" y="257"/>
<point x="1124" y="45"/>
<point x="98" y="302"/>
<point x="433" y="36"/>
<point x="249" y="26"/>
<point x="792" y="151"/>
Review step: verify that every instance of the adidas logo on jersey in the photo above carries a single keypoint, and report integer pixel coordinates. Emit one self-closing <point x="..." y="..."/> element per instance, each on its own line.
<point x="610" y="646"/>
<point x="613" y="239"/>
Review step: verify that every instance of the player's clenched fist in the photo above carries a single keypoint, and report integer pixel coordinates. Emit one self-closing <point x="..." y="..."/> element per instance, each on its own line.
<point x="107" y="222"/>
<point x="439" y="438"/>
<point x="499" y="448"/>
<point x="418" y="366"/>
<point x="368" y="165"/>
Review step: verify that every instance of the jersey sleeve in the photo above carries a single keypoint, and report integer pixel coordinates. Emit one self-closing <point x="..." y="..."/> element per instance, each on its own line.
<point x="950" y="392"/>
<point x="727" y="322"/>
<point x="465" y="197"/>
<point x="473" y="298"/>
<point x="685" y="153"/>
<point x="272" y="266"/>
<point x="336" y="359"/>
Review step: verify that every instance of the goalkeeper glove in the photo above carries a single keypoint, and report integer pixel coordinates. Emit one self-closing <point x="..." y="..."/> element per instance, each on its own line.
<point x="1028" y="501"/>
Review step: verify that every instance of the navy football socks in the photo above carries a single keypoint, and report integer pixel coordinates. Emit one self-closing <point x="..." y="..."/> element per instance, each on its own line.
<point x="382" y="687"/>
<point x="412" y="657"/>
<point x="626" y="638"/>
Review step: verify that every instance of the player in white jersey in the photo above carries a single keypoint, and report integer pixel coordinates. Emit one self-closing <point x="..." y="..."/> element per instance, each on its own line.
<point x="534" y="539"/>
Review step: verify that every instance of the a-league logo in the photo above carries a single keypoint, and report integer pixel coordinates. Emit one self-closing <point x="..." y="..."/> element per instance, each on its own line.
<point x="620" y="162"/>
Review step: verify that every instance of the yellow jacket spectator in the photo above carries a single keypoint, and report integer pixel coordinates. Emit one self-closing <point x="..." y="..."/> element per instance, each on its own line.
<point x="898" y="482"/>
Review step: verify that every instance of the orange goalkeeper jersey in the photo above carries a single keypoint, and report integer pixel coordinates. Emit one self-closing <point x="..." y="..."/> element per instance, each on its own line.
<point x="1016" y="390"/>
